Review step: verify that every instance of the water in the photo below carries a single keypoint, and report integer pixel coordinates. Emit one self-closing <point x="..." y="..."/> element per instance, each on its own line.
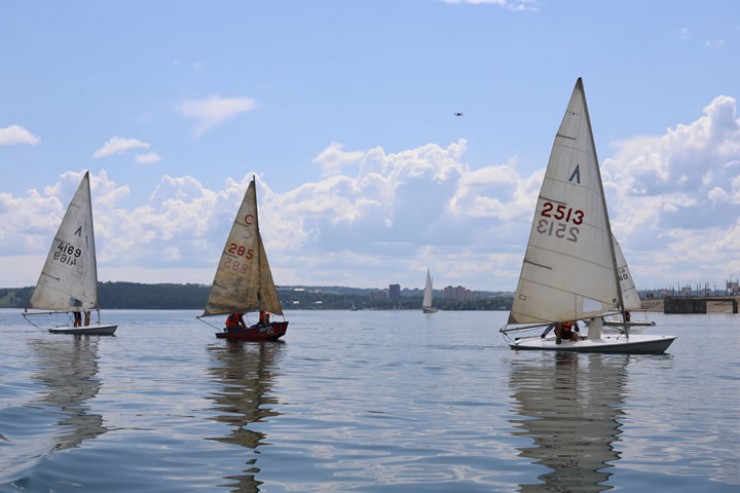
<point x="367" y="401"/>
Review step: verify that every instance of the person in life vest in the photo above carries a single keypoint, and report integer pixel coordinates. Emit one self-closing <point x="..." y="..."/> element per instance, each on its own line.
<point x="568" y="331"/>
<point x="235" y="321"/>
<point x="264" y="317"/>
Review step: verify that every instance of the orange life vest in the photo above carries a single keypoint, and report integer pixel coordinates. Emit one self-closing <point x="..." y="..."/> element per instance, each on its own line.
<point x="233" y="320"/>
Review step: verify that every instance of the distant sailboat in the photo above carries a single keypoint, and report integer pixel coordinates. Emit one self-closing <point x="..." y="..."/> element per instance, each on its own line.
<point x="69" y="278"/>
<point x="243" y="281"/>
<point x="570" y="270"/>
<point x="426" y="303"/>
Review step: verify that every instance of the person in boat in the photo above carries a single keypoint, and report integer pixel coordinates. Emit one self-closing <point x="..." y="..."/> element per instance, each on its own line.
<point x="568" y="331"/>
<point x="264" y="317"/>
<point x="627" y="316"/>
<point x="235" y="322"/>
<point x="77" y="313"/>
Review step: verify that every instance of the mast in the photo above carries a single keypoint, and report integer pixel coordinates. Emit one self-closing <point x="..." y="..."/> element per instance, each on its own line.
<point x="620" y="301"/>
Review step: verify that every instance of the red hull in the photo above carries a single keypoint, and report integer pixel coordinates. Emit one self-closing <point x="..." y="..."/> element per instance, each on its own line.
<point x="256" y="333"/>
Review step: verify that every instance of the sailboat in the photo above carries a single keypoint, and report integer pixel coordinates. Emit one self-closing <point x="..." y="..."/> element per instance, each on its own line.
<point x="69" y="279"/>
<point x="243" y="281"/>
<point x="570" y="270"/>
<point x="426" y="303"/>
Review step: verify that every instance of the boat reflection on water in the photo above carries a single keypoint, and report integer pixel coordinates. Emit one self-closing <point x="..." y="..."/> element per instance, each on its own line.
<point x="246" y="372"/>
<point x="569" y="406"/>
<point x="67" y="369"/>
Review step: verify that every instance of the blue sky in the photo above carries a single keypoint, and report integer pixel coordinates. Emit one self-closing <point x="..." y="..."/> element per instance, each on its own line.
<point x="344" y="110"/>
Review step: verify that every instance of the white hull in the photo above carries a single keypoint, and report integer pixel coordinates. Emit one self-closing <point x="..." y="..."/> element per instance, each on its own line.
<point x="634" y="344"/>
<point x="90" y="330"/>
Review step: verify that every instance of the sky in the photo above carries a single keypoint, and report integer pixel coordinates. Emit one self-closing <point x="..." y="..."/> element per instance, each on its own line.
<point x="345" y="111"/>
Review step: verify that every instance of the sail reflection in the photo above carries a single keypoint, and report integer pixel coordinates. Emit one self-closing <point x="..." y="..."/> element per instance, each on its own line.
<point x="246" y="371"/>
<point x="570" y="410"/>
<point x="67" y="368"/>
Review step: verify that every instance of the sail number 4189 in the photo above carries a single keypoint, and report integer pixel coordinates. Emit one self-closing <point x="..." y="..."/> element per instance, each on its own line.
<point x="555" y="219"/>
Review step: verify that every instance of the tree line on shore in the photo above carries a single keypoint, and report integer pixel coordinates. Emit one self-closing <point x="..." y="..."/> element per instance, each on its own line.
<point x="129" y="295"/>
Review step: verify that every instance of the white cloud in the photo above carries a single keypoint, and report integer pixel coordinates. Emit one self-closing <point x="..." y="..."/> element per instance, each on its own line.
<point x="15" y="134"/>
<point x="148" y="158"/>
<point x="378" y="217"/>
<point x="333" y="159"/>
<point x="674" y="197"/>
<point x="118" y="145"/>
<point x="214" y="111"/>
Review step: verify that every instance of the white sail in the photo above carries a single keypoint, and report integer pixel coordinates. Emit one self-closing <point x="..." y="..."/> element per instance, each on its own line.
<point x="426" y="303"/>
<point x="243" y="280"/>
<point x="630" y="295"/>
<point x="569" y="270"/>
<point x="69" y="278"/>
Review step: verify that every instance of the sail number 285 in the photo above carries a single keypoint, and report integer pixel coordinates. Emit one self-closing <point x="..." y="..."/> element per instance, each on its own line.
<point x="240" y="251"/>
<point x="237" y="263"/>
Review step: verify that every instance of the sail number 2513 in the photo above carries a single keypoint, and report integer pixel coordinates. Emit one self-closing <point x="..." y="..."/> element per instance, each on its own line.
<point x="560" y="221"/>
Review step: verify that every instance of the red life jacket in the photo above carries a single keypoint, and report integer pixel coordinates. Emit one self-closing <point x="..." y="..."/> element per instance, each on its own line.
<point x="233" y="320"/>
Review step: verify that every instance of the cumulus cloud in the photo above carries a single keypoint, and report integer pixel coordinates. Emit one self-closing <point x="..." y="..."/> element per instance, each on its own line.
<point x="148" y="158"/>
<point x="334" y="158"/>
<point x="117" y="145"/>
<point x="213" y="111"/>
<point x="377" y="217"/>
<point x="675" y="196"/>
<point x="15" y="134"/>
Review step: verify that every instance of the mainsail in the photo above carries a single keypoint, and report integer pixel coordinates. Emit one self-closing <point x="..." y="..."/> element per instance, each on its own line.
<point x="243" y="280"/>
<point x="69" y="278"/>
<point x="427" y="301"/>
<point x="569" y="269"/>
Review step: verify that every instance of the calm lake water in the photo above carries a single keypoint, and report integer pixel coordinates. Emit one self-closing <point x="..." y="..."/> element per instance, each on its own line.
<point x="367" y="401"/>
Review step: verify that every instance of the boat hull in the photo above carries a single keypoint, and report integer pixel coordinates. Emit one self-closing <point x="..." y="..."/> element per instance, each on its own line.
<point x="634" y="344"/>
<point x="429" y="309"/>
<point x="256" y="333"/>
<point x="89" y="330"/>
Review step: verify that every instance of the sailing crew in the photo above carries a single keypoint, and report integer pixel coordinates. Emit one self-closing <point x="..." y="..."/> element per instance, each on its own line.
<point x="264" y="317"/>
<point x="568" y="331"/>
<point x="235" y="321"/>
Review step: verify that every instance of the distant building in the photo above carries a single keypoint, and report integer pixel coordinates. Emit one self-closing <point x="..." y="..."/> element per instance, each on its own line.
<point x="458" y="293"/>
<point x="394" y="292"/>
<point x="377" y="294"/>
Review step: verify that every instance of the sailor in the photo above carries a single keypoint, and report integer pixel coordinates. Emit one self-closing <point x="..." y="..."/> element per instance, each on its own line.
<point x="568" y="331"/>
<point x="235" y="321"/>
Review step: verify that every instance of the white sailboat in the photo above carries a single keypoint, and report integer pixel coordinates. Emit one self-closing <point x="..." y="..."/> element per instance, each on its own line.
<point x="426" y="303"/>
<point x="570" y="270"/>
<point x="243" y="281"/>
<point x="69" y="278"/>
